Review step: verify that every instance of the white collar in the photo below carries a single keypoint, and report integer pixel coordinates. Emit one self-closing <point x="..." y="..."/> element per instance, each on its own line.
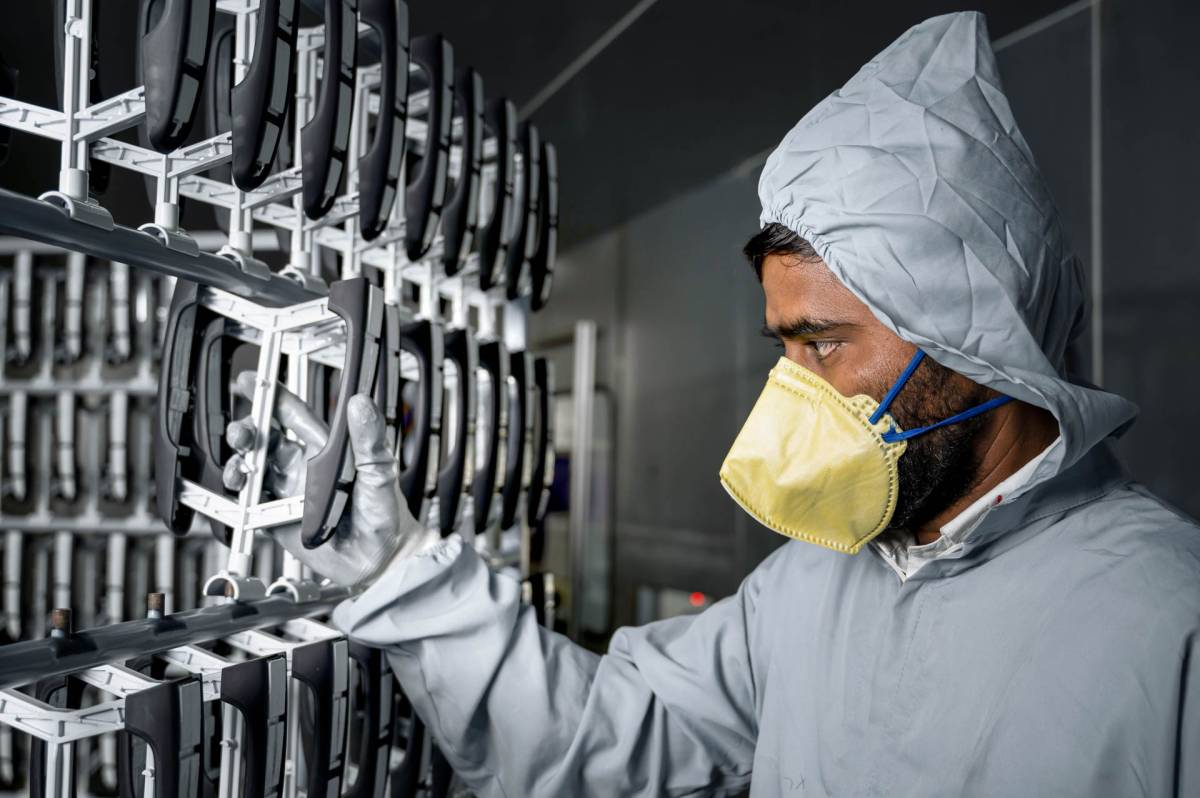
<point x="906" y="559"/>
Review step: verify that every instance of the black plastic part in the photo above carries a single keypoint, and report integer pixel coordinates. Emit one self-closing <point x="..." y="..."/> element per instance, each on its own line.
<point x="459" y="350"/>
<point x="99" y="172"/>
<point x="518" y="425"/>
<point x="57" y="691"/>
<point x="258" y="688"/>
<point x="9" y="82"/>
<point x="379" y="167"/>
<point x="130" y="762"/>
<point x="495" y="236"/>
<point x="218" y="101"/>
<point x="526" y="221"/>
<point x="210" y="763"/>
<point x="374" y="718"/>
<point x="188" y="406"/>
<point x="542" y="262"/>
<point x="211" y="375"/>
<point x="425" y="193"/>
<point x="416" y="338"/>
<point x="392" y="402"/>
<point x="386" y="365"/>
<point x="331" y="470"/>
<point x="168" y="718"/>
<point x="460" y="217"/>
<point x="541" y="471"/>
<point x="442" y="776"/>
<point x="323" y="668"/>
<point x="261" y="100"/>
<point x="325" y="139"/>
<point x="493" y="360"/>
<point x="406" y="778"/>
<point x="174" y="58"/>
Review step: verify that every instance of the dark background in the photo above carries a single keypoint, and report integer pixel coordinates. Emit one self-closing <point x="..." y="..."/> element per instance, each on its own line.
<point x="663" y="112"/>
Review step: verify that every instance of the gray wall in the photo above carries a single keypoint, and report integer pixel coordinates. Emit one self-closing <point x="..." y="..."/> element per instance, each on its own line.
<point x="679" y="311"/>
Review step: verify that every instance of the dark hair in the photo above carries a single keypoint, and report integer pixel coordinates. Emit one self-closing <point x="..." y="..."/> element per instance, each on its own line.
<point x="775" y="239"/>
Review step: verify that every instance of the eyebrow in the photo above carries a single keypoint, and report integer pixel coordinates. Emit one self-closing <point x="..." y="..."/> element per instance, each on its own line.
<point x="798" y="328"/>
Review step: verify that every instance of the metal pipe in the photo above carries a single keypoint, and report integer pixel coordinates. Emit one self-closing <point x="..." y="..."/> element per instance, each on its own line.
<point x="206" y="240"/>
<point x="24" y="662"/>
<point x="583" y="389"/>
<point x="40" y="221"/>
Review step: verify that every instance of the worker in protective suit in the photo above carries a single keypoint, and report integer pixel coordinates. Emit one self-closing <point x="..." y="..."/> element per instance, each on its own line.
<point x="978" y="599"/>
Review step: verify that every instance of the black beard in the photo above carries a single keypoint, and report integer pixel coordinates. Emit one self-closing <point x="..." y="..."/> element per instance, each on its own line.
<point x="939" y="467"/>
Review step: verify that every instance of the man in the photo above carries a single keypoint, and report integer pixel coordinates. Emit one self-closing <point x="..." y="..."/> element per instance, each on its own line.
<point x="1019" y="618"/>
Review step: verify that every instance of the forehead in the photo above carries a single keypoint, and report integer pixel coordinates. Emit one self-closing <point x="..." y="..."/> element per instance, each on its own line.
<point x="796" y="288"/>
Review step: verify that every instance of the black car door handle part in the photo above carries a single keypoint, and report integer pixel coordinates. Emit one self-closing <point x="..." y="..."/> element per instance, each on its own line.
<point x="379" y="167"/>
<point x="461" y="214"/>
<point x="461" y="351"/>
<point x="323" y="668"/>
<point x="189" y="427"/>
<point x="495" y="236"/>
<point x="421" y="339"/>
<point x="425" y="193"/>
<point x="542" y="468"/>
<point x="519" y="369"/>
<point x="258" y="688"/>
<point x="174" y="56"/>
<point x="525" y="223"/>
<point x="331" y="470"/>
<point x="324" y="141"/>
<point x="262" y="99"/>
<point x="167" y="717"/>
<point x="542" y="262"/>
<point x="374" y="717"/>
<point x="493" y="362"/>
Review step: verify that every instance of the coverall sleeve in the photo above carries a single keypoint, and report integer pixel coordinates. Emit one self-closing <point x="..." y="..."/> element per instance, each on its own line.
<point x="1187" y="766"/>
<point x="521" y="711"/>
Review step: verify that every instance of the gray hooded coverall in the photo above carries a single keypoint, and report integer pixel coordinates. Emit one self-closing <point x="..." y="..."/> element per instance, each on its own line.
<point x="1055" y="652"/>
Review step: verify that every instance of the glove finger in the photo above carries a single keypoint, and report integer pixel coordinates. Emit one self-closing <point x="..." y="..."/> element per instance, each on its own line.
<point x="240" y="435"/>
<point x="286" y="470"/>
<point x="290" y="411"/>
<point x="232" y="475"/>
<point x="373" y="456"/>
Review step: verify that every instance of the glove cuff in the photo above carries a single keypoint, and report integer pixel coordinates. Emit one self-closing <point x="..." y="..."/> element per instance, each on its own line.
<point x="402" y="547"/>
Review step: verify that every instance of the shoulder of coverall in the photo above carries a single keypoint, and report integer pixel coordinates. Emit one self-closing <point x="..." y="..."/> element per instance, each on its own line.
<point x="1094" y="507"/>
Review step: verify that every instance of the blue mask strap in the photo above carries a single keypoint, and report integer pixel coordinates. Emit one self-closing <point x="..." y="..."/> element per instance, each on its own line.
<point x="893" y="436"/>
<point x="897" y="386"/>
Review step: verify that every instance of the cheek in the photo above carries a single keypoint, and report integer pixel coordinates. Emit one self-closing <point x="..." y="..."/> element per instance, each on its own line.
<point x="853" y="370"/>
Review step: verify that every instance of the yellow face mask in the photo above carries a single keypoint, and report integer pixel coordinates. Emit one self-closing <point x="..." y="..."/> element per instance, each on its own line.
<point x="817" y="466"/>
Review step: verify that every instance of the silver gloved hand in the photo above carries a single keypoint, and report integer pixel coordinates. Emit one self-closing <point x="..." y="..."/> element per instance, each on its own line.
<point x="378" y="527"/>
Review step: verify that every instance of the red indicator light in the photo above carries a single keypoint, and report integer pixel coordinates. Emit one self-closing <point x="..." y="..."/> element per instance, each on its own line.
<point x="697" y="599"/>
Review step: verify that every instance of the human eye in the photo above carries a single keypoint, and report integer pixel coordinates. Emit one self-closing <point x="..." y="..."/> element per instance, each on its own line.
<point x="823" y="349"/>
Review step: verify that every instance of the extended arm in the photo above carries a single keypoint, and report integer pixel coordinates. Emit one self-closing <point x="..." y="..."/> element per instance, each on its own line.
<point x="522" y="711"/>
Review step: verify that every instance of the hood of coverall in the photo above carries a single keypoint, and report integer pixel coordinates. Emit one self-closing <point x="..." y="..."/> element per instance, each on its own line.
<point x="916" y="187"/>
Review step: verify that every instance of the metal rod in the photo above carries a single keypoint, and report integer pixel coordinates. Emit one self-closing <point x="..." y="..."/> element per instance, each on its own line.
<point x="583" y="388"/>
<point x="41" y="221"/>
<point x="27" y="661"/>
<point x="206" y="240"/>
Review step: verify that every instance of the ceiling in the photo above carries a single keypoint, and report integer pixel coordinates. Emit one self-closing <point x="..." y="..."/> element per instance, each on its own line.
<point x="684" y="92"/>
